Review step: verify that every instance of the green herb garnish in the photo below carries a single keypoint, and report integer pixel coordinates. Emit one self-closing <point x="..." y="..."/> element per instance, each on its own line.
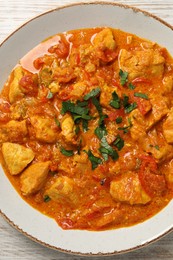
<point x="119" y="120"/>
<point x="119" y="142"/>
<point x="141" y="95"/>
<point x="66" y="152"/>
<point x="95" y="161"/>
<point x="123" y="77"/>
<point x="115" y="102"/>
<point x="46" y="198"/>
<point x="131" y="86"/>
<point x="105" y="148"/>
<point x="130" y="107"/>
<point x="92" y="93"/>
<point x="57" y="121"/>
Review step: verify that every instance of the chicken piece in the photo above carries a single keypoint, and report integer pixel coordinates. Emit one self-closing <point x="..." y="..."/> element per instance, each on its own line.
<point x="13" y="131"/>
<point x="104" y="40"/>
<point x="168" y="127"/>
<point x="138" y="128"/>
<point x="127" y="188"/>
<point x="105" y="96"/>
<point x="16" y="157"/>
<point x="63" y="189"/>
<point x="150" y="145"/>
<point x="159" y="110"/>
<point x="143" y="63"/>
<point x="167" y="84"/>
<point x="54" y="87"/>
<point x="68" y="128"/>
<point x="34" y="177"/>
<point x="18" y="110"/>
<point x="15" y="92"/>
<point x="43" y="129"/>
<point x="78" y="90"/>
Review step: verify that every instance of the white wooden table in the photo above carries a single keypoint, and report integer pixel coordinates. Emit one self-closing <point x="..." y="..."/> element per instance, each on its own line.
<point x="13" y="245"/>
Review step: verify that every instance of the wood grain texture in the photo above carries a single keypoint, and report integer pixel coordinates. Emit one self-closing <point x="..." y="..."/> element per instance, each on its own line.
<point x="13" y="245"/>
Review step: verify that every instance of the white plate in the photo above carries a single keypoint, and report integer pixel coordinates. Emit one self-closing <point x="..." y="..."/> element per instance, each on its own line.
<point x="28" y="220"/>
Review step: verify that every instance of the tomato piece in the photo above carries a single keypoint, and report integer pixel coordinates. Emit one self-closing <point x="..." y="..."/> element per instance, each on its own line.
<point x="28" y="83"/>
<point x="61" y="49"/>
<point x="141" y="104"/>
<point x="152" y="182"/>
<point x="114" y="114"/>
<point x="65" y="94"/>
<point x="107" y="55"/>
<point x="148" y="161"/>
<point x="38" y="63"/>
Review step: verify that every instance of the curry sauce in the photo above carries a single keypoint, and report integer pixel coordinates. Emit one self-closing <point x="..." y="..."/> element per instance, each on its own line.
<point x="87" y="128"/>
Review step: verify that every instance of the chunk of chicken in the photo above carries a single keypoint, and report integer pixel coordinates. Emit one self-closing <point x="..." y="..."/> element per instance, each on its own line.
<point x="104" y="40"/>
<point x="159" y="109"/>
<point x="141" y="63"/>
<point x="127" y="188"/>
<point x="13" y="131"/>
<point x="68" y="128"/>
<point x="63" y="189"/>
<point x="150" y="145"/>
<point x="105" y="96"/>
<point x="168" y="84"/>
<point x="138" y="128"/>
<point x="16" y="157"/>
<point x="34" y="177"/>
<point x="78" y="90"/>
<point x="44" y="129"/>
<point x="15" y="92"/>
<point x="168" y="127"/>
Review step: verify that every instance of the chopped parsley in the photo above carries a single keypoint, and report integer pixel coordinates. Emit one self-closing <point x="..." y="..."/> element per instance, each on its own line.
<point x="66" y="152"/>
<point x="119" y="142"/>
<point x="115" y="102"/>
<point x="92" y="93"/>
<point x="95" y="161"/>
<point x="57" y="121"/>
<point x="46" y="198"/>
<point x="106" y="149"/>
<point x="155" y="146"/>
<point x="119" y="120"/>
<point x="141" y="95"/>
<point x="130" y="107"/>
<point x="131" y="86"/>
<point x="123" y="77"/>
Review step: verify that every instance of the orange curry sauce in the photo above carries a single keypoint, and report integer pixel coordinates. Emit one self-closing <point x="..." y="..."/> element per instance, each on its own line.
<point x="86" y="128"/>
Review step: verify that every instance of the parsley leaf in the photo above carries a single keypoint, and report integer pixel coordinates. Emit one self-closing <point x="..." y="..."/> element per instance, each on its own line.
<point x="95" y="161"/>
<point x="66" y="152"/>
<point x="119" y="142"/>
<point x="131" y="86"/>
<point x="130" y="107"/>
<point x="108" y="149"/>
<point x="57" y="121"/>
<point x="123" y="77"/>
<point x="141" y="95"/>
<point x="46" y="198"/>
<point x="92" y="93"/>
<point x="119" y="120"/>
<point x="115" y="102"/>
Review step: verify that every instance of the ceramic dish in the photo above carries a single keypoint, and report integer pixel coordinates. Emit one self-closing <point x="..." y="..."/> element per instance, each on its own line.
<point x="29" y="221"/>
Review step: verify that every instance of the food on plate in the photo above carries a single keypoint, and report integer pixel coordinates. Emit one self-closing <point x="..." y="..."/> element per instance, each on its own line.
<point x="86" y="130"/>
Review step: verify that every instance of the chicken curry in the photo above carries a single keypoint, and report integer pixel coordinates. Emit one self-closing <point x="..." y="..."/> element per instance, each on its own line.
<point x="86" y="128"/>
